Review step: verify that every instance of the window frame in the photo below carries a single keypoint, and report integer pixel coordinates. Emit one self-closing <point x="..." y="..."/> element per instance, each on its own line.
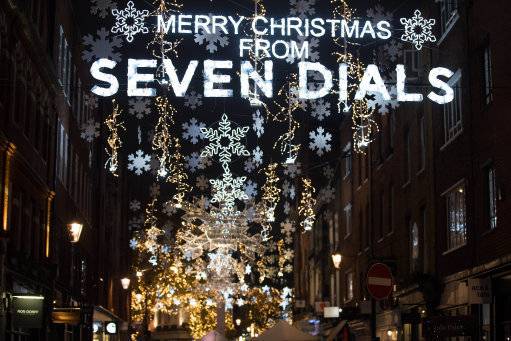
<point x="487" y="75"/>
<point x="453" y="110"/>
<point x="455" y="190"/>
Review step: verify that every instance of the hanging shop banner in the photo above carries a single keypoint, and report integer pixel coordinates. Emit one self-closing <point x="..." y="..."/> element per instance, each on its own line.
<point x="27" y="311"/>
<point x="331" y="312"/>
<point x="448" y="326"/>
<point x="479" y="291"/>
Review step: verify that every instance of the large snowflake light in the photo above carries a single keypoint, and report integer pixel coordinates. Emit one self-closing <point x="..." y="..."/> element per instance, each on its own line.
<point x="130" y="21"/>
<point x="418" y="30"/>
<point x="225" y="142"/>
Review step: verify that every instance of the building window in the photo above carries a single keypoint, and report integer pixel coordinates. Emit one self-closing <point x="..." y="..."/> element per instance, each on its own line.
<point x="487" y="76"/>
<point x="414" y="246"/>
<point x="347" y="215"/>
<point x="348" y="281"/>
<point x="453" y="123"/>
<point x="448" y="14"/>
<point x="456" y="217"/>
<point x="348" y="160"/>
<point x="491" y="192"/>
<point x="422" y="144"/>
<point x="64" y="63"/>
<point x="407" y="168"/>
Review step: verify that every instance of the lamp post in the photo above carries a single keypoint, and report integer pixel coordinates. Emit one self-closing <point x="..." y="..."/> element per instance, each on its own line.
<point x="125" y="282"/>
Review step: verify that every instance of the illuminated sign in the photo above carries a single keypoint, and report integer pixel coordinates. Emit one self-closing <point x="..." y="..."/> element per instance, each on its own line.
<point x="27" y="311"/>
<point x="111" y="327"/>
<point x="290" y="41"/>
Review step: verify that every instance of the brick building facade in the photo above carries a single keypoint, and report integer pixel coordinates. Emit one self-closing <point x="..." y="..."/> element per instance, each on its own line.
<point x="429" y="197"/>
<point x="51" y="178"/>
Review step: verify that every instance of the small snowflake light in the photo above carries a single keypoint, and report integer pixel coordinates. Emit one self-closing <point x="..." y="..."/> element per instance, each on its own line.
<point x="90" y="130"/>
<point x="102" y="7"/>
<point x="258" y="125"/>
<point x="102" y="46"/>
<point x="211" y="40"/>
<point x="418" y="30"/>
<point x="134" y="205"/>
<point x="130" y="21"/>
<point x="192" y="130"/>
<point x="320" y="141"/>
<point x="139" y="162"/>
<point x="140" y="107"/>
<point x="193" y="100"/>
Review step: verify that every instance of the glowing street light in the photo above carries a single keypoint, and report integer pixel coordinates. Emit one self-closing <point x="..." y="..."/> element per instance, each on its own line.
<point x="125" y="282"/>
<point x="337" y="259"/>
<point x="75" y="231"/>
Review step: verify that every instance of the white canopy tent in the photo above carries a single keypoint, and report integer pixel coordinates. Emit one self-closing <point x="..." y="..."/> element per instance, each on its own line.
<point x="214" y="336"/>
<point x="283" y="331"/>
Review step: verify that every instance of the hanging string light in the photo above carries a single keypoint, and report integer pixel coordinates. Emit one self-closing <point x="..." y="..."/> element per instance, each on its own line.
<point x="114" y="142"/>
<point x="162" y="139"/>
<point x="306" y="205"/>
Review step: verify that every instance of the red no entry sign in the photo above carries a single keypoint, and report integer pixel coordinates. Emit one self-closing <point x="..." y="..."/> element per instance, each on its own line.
<point x="379" y="281"/>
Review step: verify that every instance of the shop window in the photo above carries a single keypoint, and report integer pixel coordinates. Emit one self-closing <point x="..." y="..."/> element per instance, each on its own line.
<point x="348" y="161"/>
<point x="414" y="246"/>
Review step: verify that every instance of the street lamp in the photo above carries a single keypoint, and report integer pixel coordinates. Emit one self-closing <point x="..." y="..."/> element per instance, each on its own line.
<point x="75" y="230"/>
<point x="125" y="282"/>
<point x="337" y="259"/>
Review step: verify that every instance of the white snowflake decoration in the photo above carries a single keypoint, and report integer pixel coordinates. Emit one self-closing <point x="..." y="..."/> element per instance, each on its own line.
<point x="328" y="172"/>
<point x="202" y="183"/>
<point x="288" y="190"/>
<point x="139" y="162"/>
<point x="130" y="21"/>
<point x="216" y="137"/>
<point x="90" y="130"/>
<point x="258" y="156"/>
<point x="292" y="170"/>
<point x="154" y="190"/>
<point x="135" y="205"/>
<point x="211" y="40"/>
<point x="139" y="107"/>
<point x="258" y="125"/>
<point x="91" y="101"/>
<point x="133" y="244"/>
<point x="378" y="14"/>
<point x="320" y="141"/>
<point x="250" y="189"/>
<point x="287" y="208"/>
<point x="326" y="194"/>
<point x="320" y="109"/>
<point x="193" y="162"/>
<point x="249" y="165"/>
<point x="135" y="223"/>
<point x="193" y="100"/>
<point x="418" y="30"/>
<point x="192" y="130"/>
<point x="393" y="49"/>
<point x="302" y="8"/>
<point x="376" y="102"/>
<point x="102" y="7"/>
<point x="103" y="46"/>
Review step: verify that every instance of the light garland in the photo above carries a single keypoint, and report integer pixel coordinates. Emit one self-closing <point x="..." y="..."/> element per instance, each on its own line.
<point x="162" y="139"/>
<point x="114" y="142"/>
<point x="306" y="205"/>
